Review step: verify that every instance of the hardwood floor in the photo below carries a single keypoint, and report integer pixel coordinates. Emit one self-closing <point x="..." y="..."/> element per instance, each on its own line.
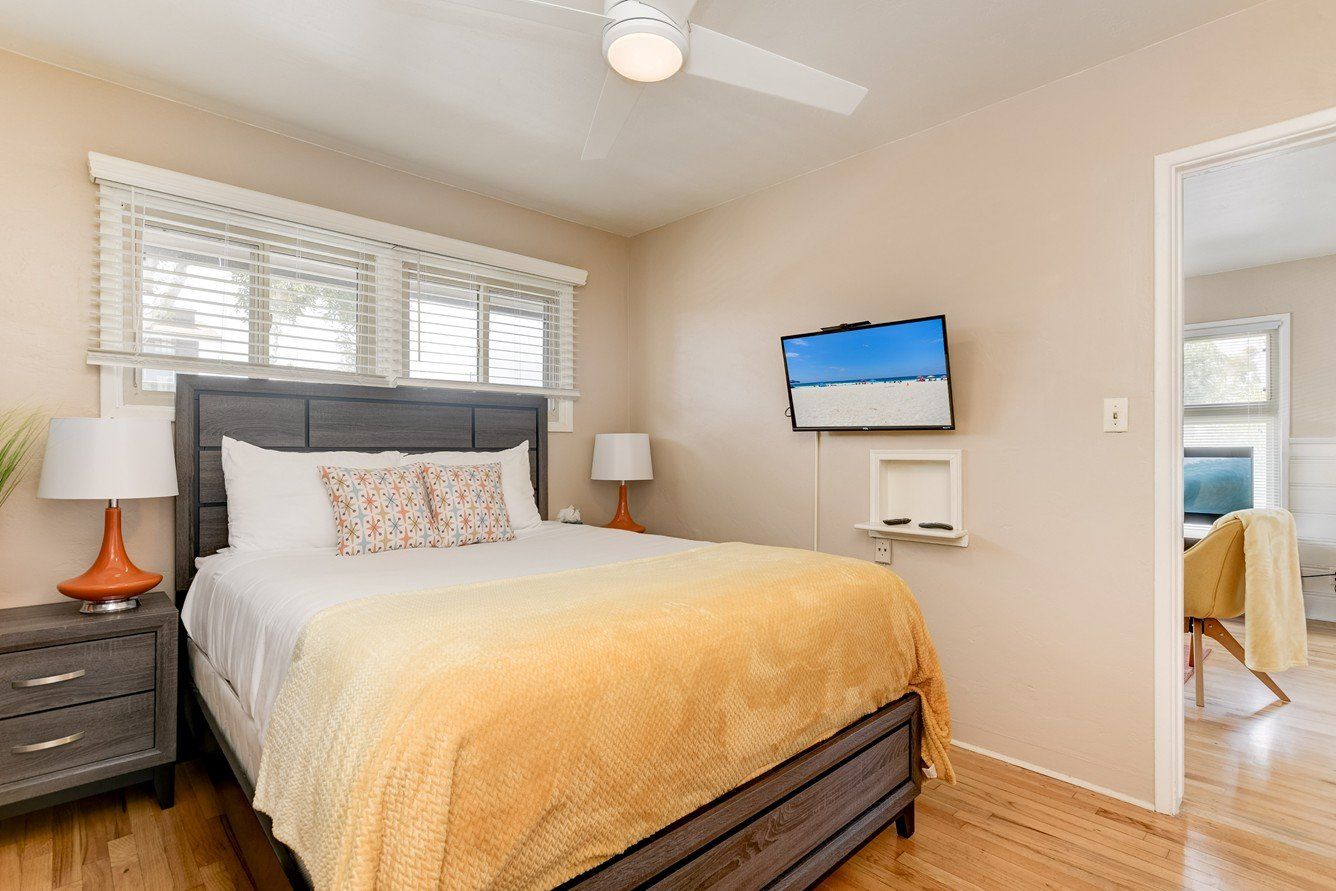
<point x="1260" y="813"/>
<point x="1260" y="808"/>
<point x="209" y="839"/>
<point x="1258" y="764"/>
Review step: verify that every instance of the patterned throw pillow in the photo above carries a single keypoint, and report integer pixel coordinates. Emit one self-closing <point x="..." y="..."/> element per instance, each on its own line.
<point x="379" y="510"/>
<point x="468" y="503"/>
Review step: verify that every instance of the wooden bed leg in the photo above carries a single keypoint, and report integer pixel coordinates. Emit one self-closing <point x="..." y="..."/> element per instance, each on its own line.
<point x="164" y="785"/>
<point x="904" y="822"/>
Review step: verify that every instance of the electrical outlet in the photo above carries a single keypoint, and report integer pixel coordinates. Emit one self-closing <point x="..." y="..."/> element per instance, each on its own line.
<point x="883" y="552"/>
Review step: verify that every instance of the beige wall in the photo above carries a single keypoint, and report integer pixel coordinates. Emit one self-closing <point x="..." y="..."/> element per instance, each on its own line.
<point x="1030" y="224"/>
<point x="53" y="118"/>
<point x="1306" y="289"/>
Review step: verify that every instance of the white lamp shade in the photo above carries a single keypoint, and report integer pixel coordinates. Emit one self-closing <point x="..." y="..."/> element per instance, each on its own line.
<point x="622" y="456"/>
<point x="106" y="458"/>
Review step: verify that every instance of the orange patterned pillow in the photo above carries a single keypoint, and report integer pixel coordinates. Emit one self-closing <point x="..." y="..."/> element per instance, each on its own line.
<point x="379" y="509"/>
<point x="468" y="503"/>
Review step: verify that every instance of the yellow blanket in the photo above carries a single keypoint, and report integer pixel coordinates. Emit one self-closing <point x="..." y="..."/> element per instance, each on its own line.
<point x="1275" y="631"/>
<point x="514" y="734"/>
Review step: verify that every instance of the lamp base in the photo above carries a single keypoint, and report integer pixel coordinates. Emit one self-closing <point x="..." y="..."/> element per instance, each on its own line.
<point x="93" y="608"/>
<point x="112" y="582"/>
<point x="622" y="519"/>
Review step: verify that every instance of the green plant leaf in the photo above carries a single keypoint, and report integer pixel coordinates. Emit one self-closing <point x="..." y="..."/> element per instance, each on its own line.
<point x="20" y="431"/>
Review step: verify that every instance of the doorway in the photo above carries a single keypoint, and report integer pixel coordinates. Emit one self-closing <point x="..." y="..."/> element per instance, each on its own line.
<point x="1227" y="234"/>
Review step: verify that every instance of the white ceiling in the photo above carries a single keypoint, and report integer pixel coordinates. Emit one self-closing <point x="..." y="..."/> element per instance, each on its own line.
<point x="1266" y="210"/>
<point x="500" y="106"/>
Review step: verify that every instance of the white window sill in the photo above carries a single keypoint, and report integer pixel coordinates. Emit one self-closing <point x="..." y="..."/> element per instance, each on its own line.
<point x="1195" y="531"/>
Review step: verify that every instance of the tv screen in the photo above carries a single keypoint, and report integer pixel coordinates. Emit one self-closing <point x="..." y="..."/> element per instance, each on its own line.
<point x="1216" y="482"/>
<point x="892" y="376"/>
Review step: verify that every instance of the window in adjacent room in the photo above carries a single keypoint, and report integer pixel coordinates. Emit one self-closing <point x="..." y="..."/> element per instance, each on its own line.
<point x="1235" y="395"/>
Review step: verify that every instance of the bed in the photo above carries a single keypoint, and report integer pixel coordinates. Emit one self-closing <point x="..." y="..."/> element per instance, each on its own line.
<point x="786" y="827"/>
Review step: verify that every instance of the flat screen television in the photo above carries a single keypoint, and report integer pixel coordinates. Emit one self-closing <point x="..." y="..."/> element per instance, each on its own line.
<point x="892" y="376"/>
<point x="1216" y="481"/>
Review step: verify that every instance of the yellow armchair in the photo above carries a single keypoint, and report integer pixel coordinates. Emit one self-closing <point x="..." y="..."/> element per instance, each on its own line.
<point x="1213" y="571"/>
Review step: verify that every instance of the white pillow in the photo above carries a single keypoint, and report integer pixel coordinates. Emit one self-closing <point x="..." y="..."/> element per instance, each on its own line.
<point x="275" y="500"/>
<point x="516" y="484"/>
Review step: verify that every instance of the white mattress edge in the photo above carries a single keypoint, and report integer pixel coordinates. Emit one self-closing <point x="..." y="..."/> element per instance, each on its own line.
<point x="239" y="732"/>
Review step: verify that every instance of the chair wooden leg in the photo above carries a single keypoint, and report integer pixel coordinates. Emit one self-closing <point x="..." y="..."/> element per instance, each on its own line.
<point x="1220" y="633"/>
<point x="1198" y="669"/>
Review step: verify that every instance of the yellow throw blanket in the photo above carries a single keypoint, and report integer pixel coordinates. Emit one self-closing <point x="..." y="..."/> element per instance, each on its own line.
<point x="1276" y="634"/>
<point x="514" y="734"/>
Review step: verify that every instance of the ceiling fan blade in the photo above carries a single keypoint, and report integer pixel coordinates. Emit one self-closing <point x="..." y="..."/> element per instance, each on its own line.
<point x="721" y="58"/>
<point x="615" y="104"/>
<point x="677" y="10"/>
<point x="552" y="14"/>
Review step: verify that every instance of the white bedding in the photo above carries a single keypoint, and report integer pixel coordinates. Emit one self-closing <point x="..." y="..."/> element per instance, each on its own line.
<point x="246" y="610"/>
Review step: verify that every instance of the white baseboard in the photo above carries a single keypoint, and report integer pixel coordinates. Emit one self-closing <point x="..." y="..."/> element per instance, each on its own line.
<point x="1053" y="774"/>
<point x="1320" y="606"/>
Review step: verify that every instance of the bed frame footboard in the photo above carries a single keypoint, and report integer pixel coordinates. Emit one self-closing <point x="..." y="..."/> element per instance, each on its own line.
<point x="792" y="826"/>
<point x="787" y="829"/>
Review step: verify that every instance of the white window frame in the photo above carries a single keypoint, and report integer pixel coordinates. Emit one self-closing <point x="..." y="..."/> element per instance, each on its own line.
<point x="561" y="416"/>
<point x="120" y="396"/>
<point x="1280" y="323"/>
<point x="121" y="399"/>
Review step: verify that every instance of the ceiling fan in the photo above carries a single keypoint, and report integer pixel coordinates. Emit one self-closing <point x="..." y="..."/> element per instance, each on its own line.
<point x="647" y="42"/>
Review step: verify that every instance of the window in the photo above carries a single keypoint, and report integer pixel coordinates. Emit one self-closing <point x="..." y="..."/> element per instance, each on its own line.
<point x="1235" y="394"/>
<point x="185" y="285"/>
<point x="465" y="324"/>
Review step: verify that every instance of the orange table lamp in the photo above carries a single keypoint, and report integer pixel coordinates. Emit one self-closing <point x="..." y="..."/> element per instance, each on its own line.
<point x="108" y="459"/>
<point x="622" y="457"/>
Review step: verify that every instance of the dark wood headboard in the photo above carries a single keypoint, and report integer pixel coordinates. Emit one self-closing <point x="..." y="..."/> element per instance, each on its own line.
<point x="324" y="417"/>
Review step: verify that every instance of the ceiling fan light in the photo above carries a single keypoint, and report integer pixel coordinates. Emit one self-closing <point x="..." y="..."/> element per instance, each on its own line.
<point x="644" y="50"/>
<point x="644" y="57"/>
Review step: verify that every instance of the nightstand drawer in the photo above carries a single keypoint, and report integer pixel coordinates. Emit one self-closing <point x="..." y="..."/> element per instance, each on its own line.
<point x="53" y="677"/>
<point x="69" y="737"/>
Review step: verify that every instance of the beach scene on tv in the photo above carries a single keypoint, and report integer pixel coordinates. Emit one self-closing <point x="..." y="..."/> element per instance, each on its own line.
<point x="878" y="376"/>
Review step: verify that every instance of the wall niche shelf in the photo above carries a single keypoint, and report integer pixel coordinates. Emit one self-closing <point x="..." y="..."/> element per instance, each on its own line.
<point x="926" y="486"/>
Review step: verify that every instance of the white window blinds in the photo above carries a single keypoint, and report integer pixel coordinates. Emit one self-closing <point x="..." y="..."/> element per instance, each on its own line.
<point x="1229" y="369"/>
<point x="1233" y="385"/>
<point x="185" y="285"/>
<point x="466" y="323"/>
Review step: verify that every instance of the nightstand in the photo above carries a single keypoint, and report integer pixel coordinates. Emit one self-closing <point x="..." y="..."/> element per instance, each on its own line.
<point x="87" y="703"/>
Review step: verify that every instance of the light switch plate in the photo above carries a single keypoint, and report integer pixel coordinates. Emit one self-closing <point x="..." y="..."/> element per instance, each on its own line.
<point x="1115" y="414"/>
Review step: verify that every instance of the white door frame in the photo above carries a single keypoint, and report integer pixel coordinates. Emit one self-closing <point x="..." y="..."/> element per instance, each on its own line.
<point x="1170" y="170"/>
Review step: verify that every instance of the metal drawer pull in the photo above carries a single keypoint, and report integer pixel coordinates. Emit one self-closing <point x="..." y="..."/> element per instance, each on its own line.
<point x="52" y="679"/>
<point x="49" y="744"/>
